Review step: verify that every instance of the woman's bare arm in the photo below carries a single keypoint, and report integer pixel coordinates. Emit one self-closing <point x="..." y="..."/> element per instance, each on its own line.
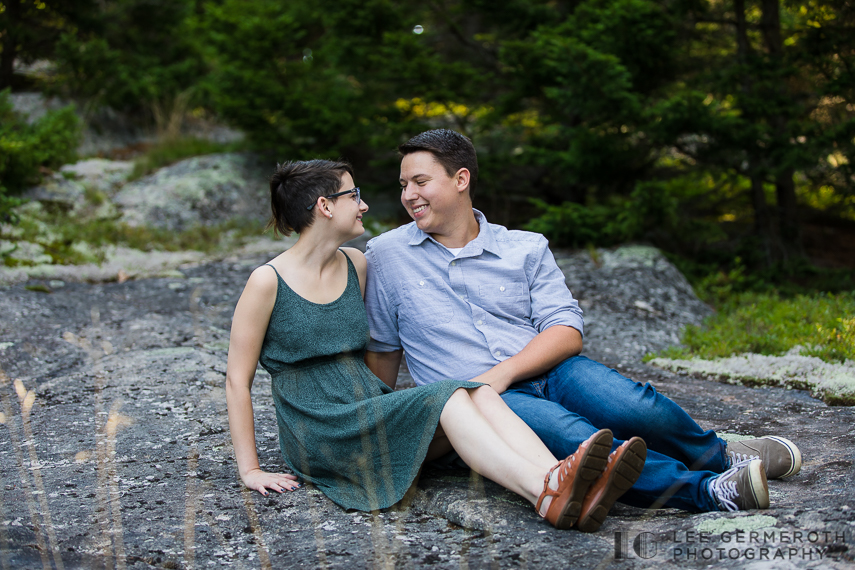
<point x="249" y="325"/>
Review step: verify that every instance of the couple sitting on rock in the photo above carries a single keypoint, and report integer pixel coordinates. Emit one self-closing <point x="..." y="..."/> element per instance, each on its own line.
<point x="492" y="338"/>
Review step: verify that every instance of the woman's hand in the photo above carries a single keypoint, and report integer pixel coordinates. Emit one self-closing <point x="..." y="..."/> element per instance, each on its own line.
<point x="260" y="481"/>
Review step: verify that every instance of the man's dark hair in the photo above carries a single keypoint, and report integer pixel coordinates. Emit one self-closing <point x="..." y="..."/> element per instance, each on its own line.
<point x="296" y="185"/>
<point x="451" y="149"/>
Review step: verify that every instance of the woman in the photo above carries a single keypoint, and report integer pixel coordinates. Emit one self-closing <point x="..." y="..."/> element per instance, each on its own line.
<point x="302" y="317"/>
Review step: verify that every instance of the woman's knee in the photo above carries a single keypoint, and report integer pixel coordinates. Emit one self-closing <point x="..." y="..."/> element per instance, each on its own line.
<point x="486" y="399"/>
<point x="485" y="394"/>
<point x="460" y="398"/>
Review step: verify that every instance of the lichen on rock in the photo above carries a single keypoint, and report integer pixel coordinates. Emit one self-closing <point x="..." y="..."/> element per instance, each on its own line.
<point x="745" y="523"/>
<point x="202" y="190"/>
<point x="832" y="383"/>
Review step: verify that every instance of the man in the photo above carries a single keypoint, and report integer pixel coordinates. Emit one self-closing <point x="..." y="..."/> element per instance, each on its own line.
<point x="468" y="299"/>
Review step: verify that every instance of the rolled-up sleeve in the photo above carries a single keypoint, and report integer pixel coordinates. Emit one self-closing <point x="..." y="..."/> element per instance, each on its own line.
<point x="551" y="302"/>
<point x="381" y="310"/>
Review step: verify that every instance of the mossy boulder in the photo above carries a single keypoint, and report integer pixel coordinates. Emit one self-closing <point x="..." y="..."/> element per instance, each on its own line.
<point x="204" y="190"/>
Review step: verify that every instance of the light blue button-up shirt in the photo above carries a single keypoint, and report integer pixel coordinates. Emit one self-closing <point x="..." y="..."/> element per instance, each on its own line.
<point x="458" y="316"/>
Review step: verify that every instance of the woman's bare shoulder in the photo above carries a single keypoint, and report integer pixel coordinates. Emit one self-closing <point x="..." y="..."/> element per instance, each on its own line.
<point x="356" y="256"/>
<point x="263" y="279"/>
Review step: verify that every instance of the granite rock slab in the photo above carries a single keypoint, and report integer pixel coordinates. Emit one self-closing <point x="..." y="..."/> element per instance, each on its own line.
<point x="115" y="451"/>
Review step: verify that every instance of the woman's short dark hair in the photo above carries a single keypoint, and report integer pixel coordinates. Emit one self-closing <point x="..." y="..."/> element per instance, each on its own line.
<point x="451" y="149"/>
<point x="296" y="185"/>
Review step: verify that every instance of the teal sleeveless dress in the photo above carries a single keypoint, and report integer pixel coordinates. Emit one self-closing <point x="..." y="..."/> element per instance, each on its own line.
<point x="340" y="427"/>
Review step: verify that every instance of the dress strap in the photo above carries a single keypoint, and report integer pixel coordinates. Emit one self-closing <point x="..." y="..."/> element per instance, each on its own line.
<point x="351" y="269"/>
<point x="274" y="270"/>
<point x="350" y="265"/>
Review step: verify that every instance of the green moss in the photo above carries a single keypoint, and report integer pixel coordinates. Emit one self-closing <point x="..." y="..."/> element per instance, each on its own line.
<point x="75" y="238"/>
<point x="766" y="323"/>
<point x="94" y="196"/>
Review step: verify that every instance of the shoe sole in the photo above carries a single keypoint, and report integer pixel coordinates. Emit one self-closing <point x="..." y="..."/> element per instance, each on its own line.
<point x="795" y="455"/>
<point x="628" y="466"/>
<point x="591" y="464"/>
<point x="758" y="484"/>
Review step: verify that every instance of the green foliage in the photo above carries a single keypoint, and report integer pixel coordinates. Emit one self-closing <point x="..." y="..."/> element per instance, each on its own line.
<point x="25" y="149"/>
<point x="766" y="323"/>
<point x="137" y="54"/>
<point x="7" y="205"/>
<point x="573" y="224"/>
<point x="317" y="79"/>
<point x="717" y="278"/>
<point x="30" y="31"/>
<point x="651" y="213"/>
<point x="592" y="82"/>
<point x="700" y="127"/>
<point x="770" y="311"/>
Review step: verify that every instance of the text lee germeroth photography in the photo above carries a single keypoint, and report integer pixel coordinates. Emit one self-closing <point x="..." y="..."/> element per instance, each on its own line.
<point x="765" y="544"/>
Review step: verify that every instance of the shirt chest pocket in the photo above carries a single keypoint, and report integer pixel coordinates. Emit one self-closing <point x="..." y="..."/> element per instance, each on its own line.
<point x="426" y="303"/>
<point x="505" y="299"/>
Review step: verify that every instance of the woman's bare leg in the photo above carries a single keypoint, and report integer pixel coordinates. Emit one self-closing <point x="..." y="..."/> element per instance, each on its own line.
<point x="511" y="428"/>
<point x="439" y="446"/>
<point x="487" y="452"/>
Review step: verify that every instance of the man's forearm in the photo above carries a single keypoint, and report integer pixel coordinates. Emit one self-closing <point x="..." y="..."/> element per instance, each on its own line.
<point x="542" y="353"/>
<point x="385" y="365"/>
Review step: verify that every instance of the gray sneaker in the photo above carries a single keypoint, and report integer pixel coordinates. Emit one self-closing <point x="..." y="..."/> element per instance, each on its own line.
<point x="780" y="456"/>
<point x="742" y="487"/>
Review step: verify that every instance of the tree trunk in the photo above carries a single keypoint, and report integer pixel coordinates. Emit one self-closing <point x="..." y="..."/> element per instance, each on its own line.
<point x="10" y="43"/>
<point x="769" y="246"/>
<point x="788" y="215"/>
<point x="785" y="188"/>
<point x="763" y="229"/>
<point x="743" y="46"/>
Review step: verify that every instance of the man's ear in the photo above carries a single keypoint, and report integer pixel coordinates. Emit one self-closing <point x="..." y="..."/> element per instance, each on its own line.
<point x="462" y="179"/>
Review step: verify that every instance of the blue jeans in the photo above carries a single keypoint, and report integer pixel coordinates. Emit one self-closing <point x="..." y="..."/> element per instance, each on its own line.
<point x="566" y="405"/>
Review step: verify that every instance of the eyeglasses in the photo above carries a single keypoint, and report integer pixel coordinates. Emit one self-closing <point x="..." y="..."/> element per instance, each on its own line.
<point x="337" y="194"/>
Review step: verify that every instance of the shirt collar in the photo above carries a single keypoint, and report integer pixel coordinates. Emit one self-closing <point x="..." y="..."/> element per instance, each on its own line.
<point x="485" y="241"/>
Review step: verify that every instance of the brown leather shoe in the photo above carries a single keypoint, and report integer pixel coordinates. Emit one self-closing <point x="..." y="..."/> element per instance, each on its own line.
<point x="576" y="473"/>
<point x="624" y="467"/>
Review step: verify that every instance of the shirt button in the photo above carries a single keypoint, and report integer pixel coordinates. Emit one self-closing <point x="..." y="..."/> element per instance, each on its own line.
<point x="498" y="353"/>
<point x="501" y="288"/>
<point x="480" y="322"/>
<point x="453" y="263"/>
<point x="421" y="282"/>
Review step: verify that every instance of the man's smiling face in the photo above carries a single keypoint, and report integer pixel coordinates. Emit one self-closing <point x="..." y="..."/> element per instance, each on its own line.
<point x="433" y="199"/>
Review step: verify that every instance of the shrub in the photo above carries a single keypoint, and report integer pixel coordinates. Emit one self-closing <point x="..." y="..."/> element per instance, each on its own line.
<point x="26" y="149"/>
<point x="649" y="212"/>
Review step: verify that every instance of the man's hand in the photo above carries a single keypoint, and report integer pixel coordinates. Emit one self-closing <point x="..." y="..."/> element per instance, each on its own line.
<point x="495" y="379"/>
<point x="545" y="351"/>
